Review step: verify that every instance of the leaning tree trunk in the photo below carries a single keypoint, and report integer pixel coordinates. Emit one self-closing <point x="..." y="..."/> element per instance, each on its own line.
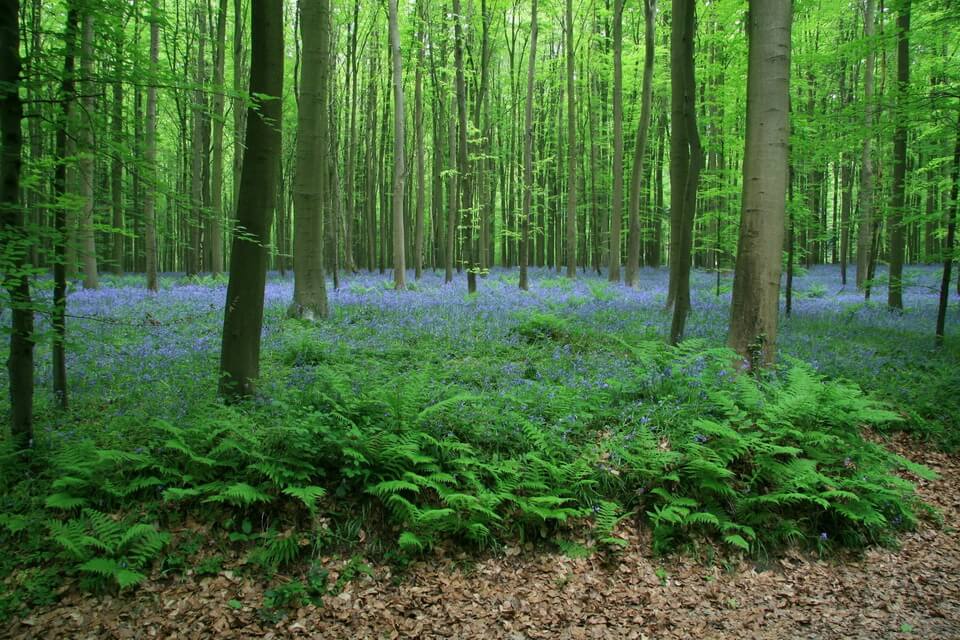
<point x="310" y="180"/>
<point x="399" y="165"/>
<point x="686" y="160"/>
<point x="243" y="316"/>
<point x="640" y="150"/>
<point x="13" y="230"/>
<point x="865" y="235"/>
<point x="948" y="247"/>
<point x="528" y="151"/>
<point x="897" y="235"/>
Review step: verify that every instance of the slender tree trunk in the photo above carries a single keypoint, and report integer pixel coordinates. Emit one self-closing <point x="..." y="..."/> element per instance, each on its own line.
<point x="528" y="151"/>
<point x="215" y="226"/>
<point x="13" y="230"/>
<point x="399" y="152"/>
<point x="419" y="133"/>
<point x="150" y="154"/>
<point x="686" y="160"/>
<point x="616" y="218"/>
<point x="572" y="156"/>
<point x="62" y="237"/>
<point x="310" y="188"/>
<point x="86" y="238"/>
<point x="240" y="78"/>
<point x="865" y="236"/>
<point x="756" y="284"/>
<point x="354" y="98"/>
<point x="243" y="317"/>
<point x="116" y="170"/>
<point x="463" y="158"/>
<point x="897" y="231"/>
<point x="948" y="247"/>
<point x="640" y="150"/>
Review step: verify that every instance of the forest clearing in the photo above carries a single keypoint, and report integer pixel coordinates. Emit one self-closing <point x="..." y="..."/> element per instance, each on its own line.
<point x="479" y="318"/>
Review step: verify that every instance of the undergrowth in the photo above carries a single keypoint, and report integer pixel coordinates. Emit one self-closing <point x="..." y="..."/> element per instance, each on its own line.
<point x="428" y="444"/>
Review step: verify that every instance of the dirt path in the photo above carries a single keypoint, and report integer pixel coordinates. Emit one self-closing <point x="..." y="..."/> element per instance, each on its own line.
<point x="913" y="592"/>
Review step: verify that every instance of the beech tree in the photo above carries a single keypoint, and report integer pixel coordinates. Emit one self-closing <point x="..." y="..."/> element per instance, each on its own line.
<point x="243" y="316"/>
<point x="756" y="285"/>
<point x="399" y="143"/>
<point x="528" y="152"/>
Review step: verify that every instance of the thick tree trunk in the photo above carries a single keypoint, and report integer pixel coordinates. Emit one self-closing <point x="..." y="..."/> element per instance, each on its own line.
<point x="87" y="153"/>
<point x="756" y="284"/>
<point x="897" y="231"/>
<point x="243" y="317"/>
<point x="640" y="150"/>
<point x="399" y="152"/>
<point x="686" y="160"/>
<point x="13" y="231"/>
<point x="310" y="180"/>
<point x="528" y="151"/>
<point x="865" y="236"/>
<point x="150" y="155"/>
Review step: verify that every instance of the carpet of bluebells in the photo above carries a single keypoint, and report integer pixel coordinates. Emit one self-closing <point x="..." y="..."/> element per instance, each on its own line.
<point x="142" y="354"/>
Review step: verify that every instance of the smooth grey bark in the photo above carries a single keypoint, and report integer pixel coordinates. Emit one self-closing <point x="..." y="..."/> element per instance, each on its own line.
<point x="399" y="151"/>
<point x="215" y="223"/>
<point x="150" y="154"/>
<point x="310" y="179"/>
<point x="572" y="157"/>
<point x="865" y="234"/>
<point x="756" y="284"/>
<point x="640" y="149"/>
<point x="528" y="151"/>
<point x="616" y="217"/>
<point x="419" y="133"/>
<point x="87" y="153"/>
<point x="898" y="194"/>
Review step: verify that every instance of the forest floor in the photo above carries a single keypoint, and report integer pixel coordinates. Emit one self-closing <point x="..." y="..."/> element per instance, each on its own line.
<point x="910" y="592"/>
<point x="487" y="371"/>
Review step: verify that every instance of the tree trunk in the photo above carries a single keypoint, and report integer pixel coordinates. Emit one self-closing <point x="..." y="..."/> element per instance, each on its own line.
<point x="87" y="153"/>
<point x="572" y="157"/>
<point x="399" y="152"/>
<point x="640" y="150"/>
<point x="62" y="237"/>
<point x="419" y="133"/>
<point x="616" y="218"/>
<point x="463" y="158"/>
<point x="756" y="284"/>
<point x="13" y="231"/>
<point x="215" y="225"/>
<point x="309" y="187"/>
<point x="195" y="221"/>
<point x="243" y="317"/>
<point x="897" y="235"/>
<point x="949" y="243"/>
<point x="865" y="236"/>
<point x="116" y="171"/>
<point x="150" y="155"/>
<point x="239" y="101"/>
<point x="686" y="160"/>
<point x="528" y="151"/>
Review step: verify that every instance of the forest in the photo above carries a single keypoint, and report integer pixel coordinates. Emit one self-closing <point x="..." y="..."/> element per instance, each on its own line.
<point x="480" y="318"/>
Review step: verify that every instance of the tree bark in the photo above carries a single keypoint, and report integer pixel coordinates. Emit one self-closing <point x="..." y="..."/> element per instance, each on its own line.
<point x="756" y="284"/>
<point x="865" y="235"/>
<point x="310" y="180"/>
<point x="463" y="157"/>
<point x="116" y="168"/>
<point x="14" y="234"/>
<point x="572" y="156"/>
<point x="87" y="153"/>
<point x="897" y="235"/>
<point x="150" y="154"/>
<point x="243" y="316"/>
<point x="528" y="151"/>
<point x="686" y="160"/>
<point x="399" y="151"/>
<point x="215" y="224"/>
<point x="616" y="217"/>
<point x="640" y="150"/>
<point x="948" y="247"/>
<point x="419" y="133"/>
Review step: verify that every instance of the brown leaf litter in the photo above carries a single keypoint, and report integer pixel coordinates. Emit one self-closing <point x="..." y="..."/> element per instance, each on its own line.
<point x="911" y="592"/>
